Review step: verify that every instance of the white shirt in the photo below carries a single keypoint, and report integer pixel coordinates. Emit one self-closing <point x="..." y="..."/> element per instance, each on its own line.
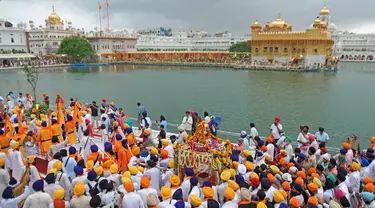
<point x="353" y="181"/>
<point x="165" y="204"/>
<point x="13" y="203"/>
<point x="165" y="178"/>
<point x="38" y="199"/>
<point x="230" y="204"/>
<point x="271" y="150"/>
<point x="143" y="124"/>
<point x="143" y="193"/>
<point x="77" y="179"/>
<point x="15" y="160"/>
<point x="185" y="187"/>
<point x="114" y="178"/>
<point x="80" y="202"/>
<point x="220" y="191"/>
<point x="274" y="130"/>
<point x="51" y="188"/>
<point x="328" y="194"/>
<point x="111" y="197"/>
<point x="170" y="151"/>
<point x="269" y="193"/>
<point x="253" y="132"/>
<point x="155" y="178"/>
<point x="132" y="200"/>
<point x="188" y="123"/>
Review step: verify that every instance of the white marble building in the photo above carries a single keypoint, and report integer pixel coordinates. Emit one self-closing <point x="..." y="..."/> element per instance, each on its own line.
<point x="12" y="38"/>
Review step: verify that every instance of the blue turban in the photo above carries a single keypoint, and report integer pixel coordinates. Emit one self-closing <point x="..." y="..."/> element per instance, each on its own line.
<point x="107" y="146"/>
<point x="298" y="166"/>
<point x="143" y="153"/>
<point x="259" y="154"/>
<point x="234" y="157"/>
<point x="62" y="126"/>
<point x="239" y="179"/>
<point x="7" y="193"/>
<point x="265" y="183"/>
<point x="193" y="181"/>
<point x="260" y="143"/>
<point x="15" y="120"/>
<point x="252" y="124"/>
<point x="53" y="121"/>
<point x="72" y="104"/>
<point x="283" y="205"/>
<point x="94" y="148"/>
<point x="69" y="117"/>
<point x="12" y="182"/>
<point x="124" y="142"/>
<point x="38" y="185"/>
<point x="343" y="151"/>
<point x="298" y="187"/>
<point x="302" y="156"/>
<point x="189" y="171"/>
<point x="365" y="162"/>
<point x="331" y="177"/>
<point x="367" y="196"/>
<point x="118" y="137"/>
<point x="78" y="170"/>
<point x="102" y="126"/>
<point x="243" y="134"/>
<point x="370" y="155"/>
<point x="180" y="204"/>
<point x="206" y="183"/>
<point x="1" y="132"/>
<point x="154" y="158"/>
<point x="91" y="175"/>
<point x="177" y="195"/>
<point x="129" y="130"/>
<point x="72" y="150"/>
<point x="44" y="124"/>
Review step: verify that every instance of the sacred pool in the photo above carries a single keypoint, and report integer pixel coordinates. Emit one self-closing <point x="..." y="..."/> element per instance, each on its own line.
<point x="343" y="102"/>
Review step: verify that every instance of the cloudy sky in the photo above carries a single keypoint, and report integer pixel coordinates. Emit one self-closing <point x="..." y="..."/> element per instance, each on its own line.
<point x="208" y="15"/>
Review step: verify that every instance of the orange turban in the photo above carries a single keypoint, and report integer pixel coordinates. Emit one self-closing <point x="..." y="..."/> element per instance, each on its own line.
<point x="370" y="187"/>
<point x="286" y="186"/>
<point x="312" y="187"/>
<point x="373" y="139"/>
<point x="290" y="165"/>
<point x="208" y="192"/>
<point x="79" y="189"/>
<point x="346" y="145"/>
<point x="249" y="165"/>
<point x="235" y="164"/>
<point x="282" y="162"/>
<point x="145" y="182"/>
<point x="301" y="174"/>
<point x="311" y="171"/>
<point x="315" y="175"/>
<point x="300" y="181"/>
<point x="294" y="201"/>
<point x="270" y="139"/>
<point x="229" y="193"/>
<point x="264" y="148"/>
<point x="163" y="153"/>
<point x="129" y="186"/>
<point x="367" y="180"/>
<point x="271" y="178"/>
<point x="136" y="151"/>
<point x="313" y="200"/>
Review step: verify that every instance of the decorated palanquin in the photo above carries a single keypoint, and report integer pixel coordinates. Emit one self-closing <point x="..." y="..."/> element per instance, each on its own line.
<point x="207" y="154"/>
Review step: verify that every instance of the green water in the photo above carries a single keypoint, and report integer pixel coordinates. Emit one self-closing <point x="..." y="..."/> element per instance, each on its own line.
<point x="343" y="103"/>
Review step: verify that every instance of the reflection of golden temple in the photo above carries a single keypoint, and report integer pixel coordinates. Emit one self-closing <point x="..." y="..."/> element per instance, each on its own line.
<point x="276" y="43"/>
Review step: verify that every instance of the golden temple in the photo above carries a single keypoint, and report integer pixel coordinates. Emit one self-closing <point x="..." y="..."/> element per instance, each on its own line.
<point x="276" y="43"/>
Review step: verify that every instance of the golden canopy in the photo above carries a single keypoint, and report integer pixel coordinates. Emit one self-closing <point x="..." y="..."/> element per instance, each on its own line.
<point x="256" y="25"/>
<point x="317" y="22"/>
<point x="54" y="19"/>
<point x="279" y="23"/>
<point x="324" y="11"/>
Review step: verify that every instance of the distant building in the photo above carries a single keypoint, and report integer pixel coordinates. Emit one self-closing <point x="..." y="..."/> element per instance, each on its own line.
<point x="46" y="40"/>
<point x="12" y="39"/>
<point x="276" y="43"/>
<point x="160" y="31"/>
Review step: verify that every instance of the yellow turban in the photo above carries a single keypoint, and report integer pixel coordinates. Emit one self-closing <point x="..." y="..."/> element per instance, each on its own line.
<point x="115" y="124"/>
<point x="268" y="157"/>
<point x="112" y="103"/>
<point x="84" y="113"/>
<point x="141" y="169"/>
<point x="208" y="192"/>
<point x="274" y="169"/>
<point x="89" y="165"/>
<point x="57" y="165"/>
<point x="254" y="175"/>
<point x="59" y="194"/>
<point x="261" y="205"/>
<point x="2" y="161"/>
<point x="31" y="158"/>
<point x="53" y="114"/>
<point x="124" y="180"/>
<point x="164" y="141"/>
<point x="68" y="111"/>
<point x="126" y="174"/>
<point x="15" y="145"/>
<point x="43" y="118"/>
<point x="278" y="197"/>
<point x="247" y="153"/>
<point x="249" y="166"/>
<point x="225" y="175"/>
<point x="355" y="166"/>
<point x="133" y="170"/>
<point x="171" y="164"/>
<point x="136" y="151"/>
<point x="32" y="116"/>
<point x="79" y="188"/>
<point x="195" y="200"/>
<point x="99" y="170"/>
<point x="229" y="193"/>
<point x="232" y="184"/>
<point x="233" y="172"/>
<point x="165" y="192"/>
<point x="126" y="126"/>
<point x="107" y="164"/>
<point x="175" y="180"/>
<point x="235" y="164"/>
<point x="317" y="182"/>
<point x="114" y="168"/>
<point x="154" y="151"/>
<point x="53" y="170"/>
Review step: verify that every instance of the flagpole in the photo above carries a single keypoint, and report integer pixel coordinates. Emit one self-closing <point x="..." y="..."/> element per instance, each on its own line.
<point x="100" y="19"/>
<point x="107" y="16"/>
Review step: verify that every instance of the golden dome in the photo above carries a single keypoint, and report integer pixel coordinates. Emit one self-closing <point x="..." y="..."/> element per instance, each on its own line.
<point x="317" y="22"/>
<point x="54" y="19"/>
<point x="280" y="23"/>
<point x="256" y="25"/>
<point x="324" y="11"/>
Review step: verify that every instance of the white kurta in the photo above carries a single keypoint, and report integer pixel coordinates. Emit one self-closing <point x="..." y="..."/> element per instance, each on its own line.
<point x="4" y="180"/>
<point x="132" y="200"/>
<point x="111" y="197"/>
<point x="13" y="203"/>
<point x="51" y="188"/>
<point x="230" y="204"/>
<point x="165" y="178"/>
<point x="136" y="179"/>
<point x="38" y="199"/>
<point x="165" y="204"/>
<point x="34" y="175"/>
<point x="86" y="143"/>
<point x="65" y="183"/>
<point x="18" y="168"/>
<point x="143" y="193"/>
<point x="170" y="150"/>
<point x="185" y="186"/>
<point x="155" y="178"/>
<point x="220" y="191"/>
<point x="353" y="181"/>
<point x="80" y="202"/>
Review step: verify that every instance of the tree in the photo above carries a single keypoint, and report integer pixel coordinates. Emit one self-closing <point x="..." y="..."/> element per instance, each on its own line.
<point x="77" y="48"/>
<point x="32" y="77"/>
<point x="240" y="47"/>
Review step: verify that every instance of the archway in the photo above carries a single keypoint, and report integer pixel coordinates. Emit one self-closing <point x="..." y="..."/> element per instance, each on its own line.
<point x="346" y="57"/>
<point x="350" y="57"/>
<point x="355" y="57"/>
<point x="370" y="58"/>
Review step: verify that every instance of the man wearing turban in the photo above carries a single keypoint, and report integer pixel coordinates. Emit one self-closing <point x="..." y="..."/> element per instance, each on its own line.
<point x="39" y="198"/>
<point x="146" y="189"/>
<point x="16" y="163"/>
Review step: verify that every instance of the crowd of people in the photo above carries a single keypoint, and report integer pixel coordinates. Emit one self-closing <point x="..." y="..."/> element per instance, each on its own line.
<point x="139" y="171"/>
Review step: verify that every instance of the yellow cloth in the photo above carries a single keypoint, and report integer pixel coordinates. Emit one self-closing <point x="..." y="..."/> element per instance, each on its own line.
<point x="165" y="192"/>
<point x="99" y="170"/>
<point x="175" y="180"/>
<point x="79" y="188"/>
<point x="274" y="169"/>
<point x="195" y="200"/>
<point x="58" y="165"/>
<point x="114" y="168"/>
<point x="133" y="170"/>
<point x="59" y="194"/>
<point x="208" y="192"/>
<point x="225" y="175"/>
<point x="278" y="197"/>
<point x="171" y="164"/>
<point x="229" y="193"/>
<point x="154" y="151"/>
<point x="232" y="184"/>
<point x="356" y="166"/>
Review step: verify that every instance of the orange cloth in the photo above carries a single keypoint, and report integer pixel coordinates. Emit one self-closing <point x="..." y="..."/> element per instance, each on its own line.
<point x="77" y="114"/>
<point x="131" y="139"/>
<point x="44" y="140"/>
<point x="57" y="131"/>
<point x="370" y="187"/>
<point x="94" y="156"/>
<point x="294" y="202"/>
<point x="70" y="132"/>
<point x="301" y="174"/>
<point x="60" y="114"/>
<point x="20" y="138"/>
<point x="4" y="144"/>
<point x="367" y="180"/>
<point x="286" y="186"/>
<point x="117" y="145"/>
<point x="122" y="159"/>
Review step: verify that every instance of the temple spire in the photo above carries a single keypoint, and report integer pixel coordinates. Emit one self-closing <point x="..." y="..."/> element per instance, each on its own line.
<point x="53" y="8"/>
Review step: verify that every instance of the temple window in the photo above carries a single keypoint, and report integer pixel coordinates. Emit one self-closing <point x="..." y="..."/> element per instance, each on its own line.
<point x="294" y="50"/>
<point x="271" y="49"/>
<point x="265" y="49"/>
<point x="315" y="50"/>
<point x="285" y="50"/>
<point x="256" y="50"/>
<point x="303" y="50"/>
<point x="276" y="49"/>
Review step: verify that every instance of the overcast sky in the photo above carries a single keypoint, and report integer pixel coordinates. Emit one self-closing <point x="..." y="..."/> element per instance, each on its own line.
<point x="208" y="15"/>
